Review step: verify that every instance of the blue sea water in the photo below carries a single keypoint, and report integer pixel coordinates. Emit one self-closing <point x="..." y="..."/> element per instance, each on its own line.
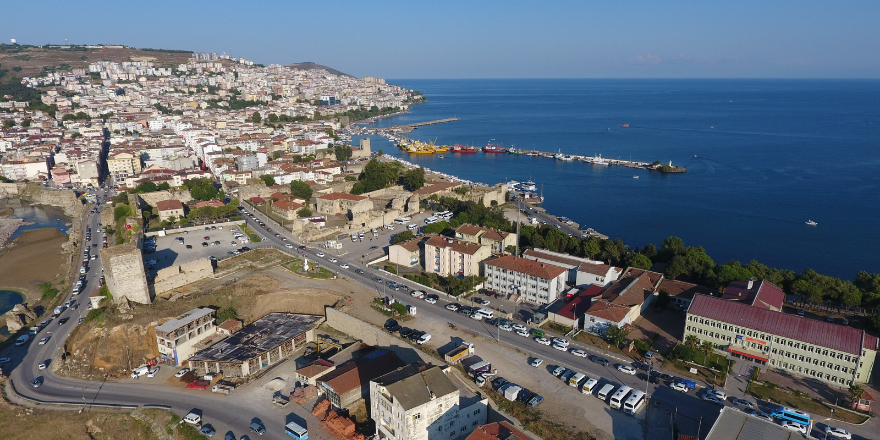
<point x="763" y="157"/>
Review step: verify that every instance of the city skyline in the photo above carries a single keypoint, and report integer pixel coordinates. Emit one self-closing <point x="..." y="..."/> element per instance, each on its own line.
<point x="785" y="39"/>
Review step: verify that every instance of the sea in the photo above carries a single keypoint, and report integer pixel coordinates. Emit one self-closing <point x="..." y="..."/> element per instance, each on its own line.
<point x="762" y="158"/>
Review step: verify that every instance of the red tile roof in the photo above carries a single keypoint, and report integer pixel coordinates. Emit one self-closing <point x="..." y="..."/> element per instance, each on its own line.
<point x="576" y="307"/>
<point x="544" y="271"/>
<point x="462" y="247"/>
<point x="411" y="245"/>
<point x="811" y="331"/>
<point x="633" y="288"/>
<point x="595" y="269"/>
<point x="288" y="206"/>
<point x="608" y="311"/>
<point x="359" y="372"/>
<point x="763" y="294"/>
<point x="684" y="290"/>
<point x="166" y="205"/>
<point x="497" y="431"/>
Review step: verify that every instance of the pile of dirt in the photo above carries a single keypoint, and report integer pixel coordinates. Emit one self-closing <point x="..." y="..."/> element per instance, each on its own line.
<point x="109" y="351"/>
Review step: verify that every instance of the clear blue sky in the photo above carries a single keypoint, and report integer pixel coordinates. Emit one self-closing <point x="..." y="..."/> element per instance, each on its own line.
<point x="487" y="39"/>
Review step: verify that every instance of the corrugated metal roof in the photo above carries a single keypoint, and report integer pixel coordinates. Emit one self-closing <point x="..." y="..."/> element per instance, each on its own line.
<point x="811" y="331"/>
<point x="735" y="425"/>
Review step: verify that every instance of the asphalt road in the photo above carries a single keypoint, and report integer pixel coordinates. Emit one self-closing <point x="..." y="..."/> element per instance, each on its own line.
<point x="227" y="413"/>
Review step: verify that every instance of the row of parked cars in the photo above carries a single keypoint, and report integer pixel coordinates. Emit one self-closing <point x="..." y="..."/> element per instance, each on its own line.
<point x="516" y="393"/>
<point x="417" y="336"/>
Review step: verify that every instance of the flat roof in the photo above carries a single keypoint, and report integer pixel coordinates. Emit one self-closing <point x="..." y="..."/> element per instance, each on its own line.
<point x="736" y="425"/>
<point x="258" y="337"/>
<point x="184" y="319"/>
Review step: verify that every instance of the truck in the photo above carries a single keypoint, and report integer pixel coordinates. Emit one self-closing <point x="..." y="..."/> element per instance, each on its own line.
<point x="281" y="400"/>
<point x="222" y="388"/>
<point x="333" y="244"/>
<point x="511" y="391"/>
<point x="533" y="221"/>
<point x="461" y="352"/>
<point x="479" y="368"/>
<point x="58" y="310"/>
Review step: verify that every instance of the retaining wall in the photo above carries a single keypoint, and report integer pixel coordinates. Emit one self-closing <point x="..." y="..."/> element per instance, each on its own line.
<point x="371" y="335"/>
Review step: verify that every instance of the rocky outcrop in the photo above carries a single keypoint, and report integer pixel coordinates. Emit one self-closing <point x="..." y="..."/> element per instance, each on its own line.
<point x="18" y="317"/>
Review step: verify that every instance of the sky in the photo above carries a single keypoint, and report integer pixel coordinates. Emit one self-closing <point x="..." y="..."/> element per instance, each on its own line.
<point x="487" y="39"/>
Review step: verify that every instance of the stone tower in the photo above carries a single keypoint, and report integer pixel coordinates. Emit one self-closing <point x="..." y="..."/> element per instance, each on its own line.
<point x="365" y="146"/>
<point x="124" y="272"/>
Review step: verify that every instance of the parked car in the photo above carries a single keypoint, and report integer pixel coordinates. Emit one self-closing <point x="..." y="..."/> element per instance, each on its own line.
<point x="743" y="402"/>
<point x="678" y="386"/>
<point x="599" y="360"/>
<point x="837" y="432"/>
<point x="536" y="362"/>
<point x="709" y="397"/>
<point x="453" y="307"/>
<point x="208" y="431"/>
<point x="794" y="427"/>
<point x="182" y="372"/>
<point x="626" y="369"/>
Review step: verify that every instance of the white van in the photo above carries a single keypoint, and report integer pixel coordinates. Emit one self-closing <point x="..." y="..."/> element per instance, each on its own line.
<point x="139" y="371"/>
<point x="605" y="391"/>
<point x="412" y="226"/>
<point x="193" y="418"/>
<point x="402" y="220"/>
<point x="354" y="237"/>
<point x="635" y="401"/>
<point x="22" y="340"/>
<point x="619" y="397"/>
<point x="486" y="313"/>
<point x="589" y="385"/>
<point x="431" y="219"/>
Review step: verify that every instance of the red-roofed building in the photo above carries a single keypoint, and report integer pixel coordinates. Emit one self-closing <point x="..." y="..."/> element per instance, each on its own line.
<point x="169" y="208"/>
<point x="633" y="292"/>
<point x="449" y="256"/>
<point x="524" y="280"/>
<point x="831" y="353"/>
<point x="683" y="293"/>
<point x="407" y="253"/>
<point x="762" y="294"/>
<point x="495" y="239"/>
<point x="497" y="431"/>
<point x="286" y="209"/>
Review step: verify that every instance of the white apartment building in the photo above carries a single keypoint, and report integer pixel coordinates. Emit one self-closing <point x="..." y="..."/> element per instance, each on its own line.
<point x="448" y="256"/>
<point x="123" y="164"/>
<point x="416" y="402"/>
<point x="179" y="337"/>
<point x="534" y="282"/>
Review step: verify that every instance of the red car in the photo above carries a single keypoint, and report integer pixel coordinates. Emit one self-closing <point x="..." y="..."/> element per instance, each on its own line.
<point x="198" y="384"/>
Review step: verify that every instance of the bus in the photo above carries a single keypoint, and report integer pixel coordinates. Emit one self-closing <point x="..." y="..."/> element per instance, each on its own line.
<point x="618" y="397"/>
<point x="402" y="220"/>
<point x="635" y="401"/>
<point x="792" y="415"/>
<point x="296" y="431"/>
<point x="605" y="391"/>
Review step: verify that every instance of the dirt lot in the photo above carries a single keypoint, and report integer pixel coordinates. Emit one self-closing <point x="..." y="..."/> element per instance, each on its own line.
<point x="32" y="60"/>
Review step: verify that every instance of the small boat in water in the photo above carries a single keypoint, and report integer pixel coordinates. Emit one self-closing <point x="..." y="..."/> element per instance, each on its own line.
<point x="811" y="223"/>
<point x="635" y="177"/>
<point x="441" y="156"/>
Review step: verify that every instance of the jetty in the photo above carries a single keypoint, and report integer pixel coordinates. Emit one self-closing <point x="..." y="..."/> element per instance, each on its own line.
<point x="408" y="128"/>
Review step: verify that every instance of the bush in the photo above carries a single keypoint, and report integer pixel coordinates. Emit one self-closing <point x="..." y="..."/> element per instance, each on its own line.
<point x="641" y="346"/>
<point x="121" y="212"/>
<point x="95" y="314"/>
<point x="399" y="308"/>
<point x="227" y="313"/>
<point x="49" y="292"/>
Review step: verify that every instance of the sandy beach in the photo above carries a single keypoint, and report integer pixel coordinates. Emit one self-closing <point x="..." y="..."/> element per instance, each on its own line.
<point x="33" y="258"/>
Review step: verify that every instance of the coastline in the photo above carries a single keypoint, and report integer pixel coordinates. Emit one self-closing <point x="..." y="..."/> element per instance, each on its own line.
<point x="8" y="226"/>
<point x="28" y="261"/>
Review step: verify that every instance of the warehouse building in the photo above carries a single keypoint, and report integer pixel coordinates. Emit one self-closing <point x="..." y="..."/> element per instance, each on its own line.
<point x="259" y="345"/>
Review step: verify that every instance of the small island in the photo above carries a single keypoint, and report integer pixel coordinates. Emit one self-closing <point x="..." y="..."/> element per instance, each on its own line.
<point x="666" y="168"/>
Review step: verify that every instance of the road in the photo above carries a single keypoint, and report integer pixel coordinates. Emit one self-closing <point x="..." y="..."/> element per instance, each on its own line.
<point x="228" y="414"/>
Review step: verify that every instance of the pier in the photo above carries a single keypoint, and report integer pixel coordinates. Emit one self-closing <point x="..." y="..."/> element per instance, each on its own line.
<point x="408" y="128"/>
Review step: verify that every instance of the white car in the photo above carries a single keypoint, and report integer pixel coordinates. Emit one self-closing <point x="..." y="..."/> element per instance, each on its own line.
<point x="542" y="341"/>
<point x="536" y="362"/>
<point x="519" y="327"/>
<point x="430" y="300"/>
<point x="332" y="260"/>
<point x="182" y="372"/>
<point x="626" y="369"/>
<point x="344" y="265"/>
<point x="153" y="371"/>
<point x="678" y="386"/>
<point x="477" y="316"/>
<point x="719" y="394"/>
<point x="560" y="341"/>
<point x="794" y="426"/>
<point x="578" y="352"/>
<point x="522" y="333"/>
<point x="42" y="365"/>
<point x="417" y="294"/>
<point x="288" y="245"/>
<point x="837" y="432"/>
<point x="320" y="254"/>
<point x="425" y="338"/>
<point x="560" y="347"/>
<point x="505" y="327"/>
<point x="44" y="341"/>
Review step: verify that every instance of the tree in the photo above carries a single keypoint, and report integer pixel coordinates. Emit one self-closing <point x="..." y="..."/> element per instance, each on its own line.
<point x="692" y="341"/>
<point x="227" y="313"/>
<point x="9" y="123"/>
<point x="669" y="248"/>
<point x="617" y="334"/>
<point x="414" y="178"/>
<point x="855" y="392"/>
<point x="276" y="155"/>
<point x="304" y="212"/>
<point x="26" y="123"/>
<point x="403" y="236"/>
<point x="273" y="118"/>
<point x="437" y="228"/>
<point x="707" y="346"/>
<point x="164" y="186"/>
<point x="301" y="190"/>
<point x="663" y="299"/>
<point x="256" y="118"/>
<point x="638" y="260"/>
<point x="343" y="152"/>
<point x="268" y="179"/>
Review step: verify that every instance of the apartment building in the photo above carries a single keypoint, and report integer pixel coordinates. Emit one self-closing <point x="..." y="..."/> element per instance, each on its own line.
<point x="832" y="353"/>
<point x="123" y="164"/>
<point x="448" y="256"/>
<point x="581" y="271"/>
<point x="406" y="254"/>
<point x="179" y="337"/>
<point x="532" y="281"/>
<point x="417" y="402"/>
<point x="495" y="239"/>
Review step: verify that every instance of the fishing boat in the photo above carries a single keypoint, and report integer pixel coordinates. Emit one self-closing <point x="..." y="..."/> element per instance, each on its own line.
<point x="811" y="223"/>
<point x="598" y="160"/>
<point x="463" y="149"/>
<point x="624" y="125"/>
<point x="635" y="177"/>
<point x="528" y="186"/>
<point x="493" y="148"/>
<point x="513" y="150"/>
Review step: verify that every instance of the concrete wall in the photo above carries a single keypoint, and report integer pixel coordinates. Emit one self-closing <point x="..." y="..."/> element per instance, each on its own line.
<point x="9" y="189"/>
<point x="371" y="335"/>
<point x="124" y="271"/>
<point x="177" y="276"/>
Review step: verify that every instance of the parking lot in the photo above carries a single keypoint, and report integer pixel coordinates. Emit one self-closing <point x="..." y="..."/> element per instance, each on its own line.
<point x="169" y="252"/>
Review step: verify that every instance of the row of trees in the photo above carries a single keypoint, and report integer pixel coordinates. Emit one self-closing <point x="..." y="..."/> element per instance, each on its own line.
<point x="203" y="189"/>
<point x="377" y="175"/>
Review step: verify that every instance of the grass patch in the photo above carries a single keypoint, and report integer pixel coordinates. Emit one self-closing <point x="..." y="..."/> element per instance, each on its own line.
<point x="558" y="328"/>
<point x="189" y="432"/>
<point x="602" y="344"/>
<point x="535" y="421"/>
<point x="316" y="271"/>
<point x="95" y="315"/>
<point x="254" y="238"/>
<point x="802" y="402"/>
<point x="49" y="292"/>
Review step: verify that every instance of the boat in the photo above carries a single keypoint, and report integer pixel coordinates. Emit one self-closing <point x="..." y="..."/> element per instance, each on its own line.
<point x="463" y="149"/>
<point x="624" y="125"/>
<point x="811" y="223"/>
<point x="493" y="148"/>
<point x="513" y="150"/>
<point x="441" y="149"/>
<point x="528" y="186"/>
<point x="441" y="156"/>
<point x="635" y="177"/>
<point x="599" y="161"/>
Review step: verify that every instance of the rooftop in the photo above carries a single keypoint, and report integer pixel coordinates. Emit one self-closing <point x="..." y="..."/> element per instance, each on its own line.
<point x="361" y="370"/>
<point x="262" y="335"/>
<point x="497" y="431"/>
<point x="735" y="425"/>
<point x="166" y="205"/>
<point x="415" y="385"/>
<point x="562" y="259"/>
<point x="763" y="294"/>
<point x="184" y="319"/>
<point x="462" y="247"/>
<point x="633" y="288"/>
<point x="811" y="331"/>
<point x="343" y="196"/>
<point x="544" y="271"/>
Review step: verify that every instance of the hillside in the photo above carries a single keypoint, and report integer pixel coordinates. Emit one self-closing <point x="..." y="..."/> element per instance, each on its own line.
<point x="21" y="61"/>
<point x="313" y="66"/>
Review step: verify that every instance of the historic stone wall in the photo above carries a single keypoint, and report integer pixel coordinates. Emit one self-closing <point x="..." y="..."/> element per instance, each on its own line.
<point x="153" y="198"/>
<point x="254" y="190"/>
<point x="173" y="277"/>
<point x="10" y="189"/>
<point x="371" y="335"/>
<point x="124" y="272"/>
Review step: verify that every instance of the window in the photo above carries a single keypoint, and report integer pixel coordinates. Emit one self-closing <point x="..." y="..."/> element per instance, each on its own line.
<point x="474" y="424"/>
<point x="463" y="428"/>
<point x="416" y="416"/>
<point x="477" y="411"/>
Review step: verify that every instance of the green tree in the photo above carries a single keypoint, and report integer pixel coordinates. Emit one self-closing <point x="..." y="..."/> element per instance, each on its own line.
<point x="855" y="392"/>
<point x="707" y="346"/>
<point x="226" y="313"/>
<point x="9" y="123"/>
<point x="256" y="118"/>
<point x="403" y="236"/>
<point x="692" y="341"/>
<point x="638" y="260"/>
<point x="663" y="299"/>
<point x="304" y="212"/>
<point x="617" y="334"/>
<point x="414" y="178"/>
<point x="343" y="152"/>
<point x="273" y="118"/>
<point x="26" y="122"/>
<point x="276" y="155"/>
<point x="268" y="179"/>
<point x="669" y="248"/>
<point x="301" y="190"/>
<point x="399" y="308"/>
<point x="164" y="186"/>
<point x="437" y="228"/>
